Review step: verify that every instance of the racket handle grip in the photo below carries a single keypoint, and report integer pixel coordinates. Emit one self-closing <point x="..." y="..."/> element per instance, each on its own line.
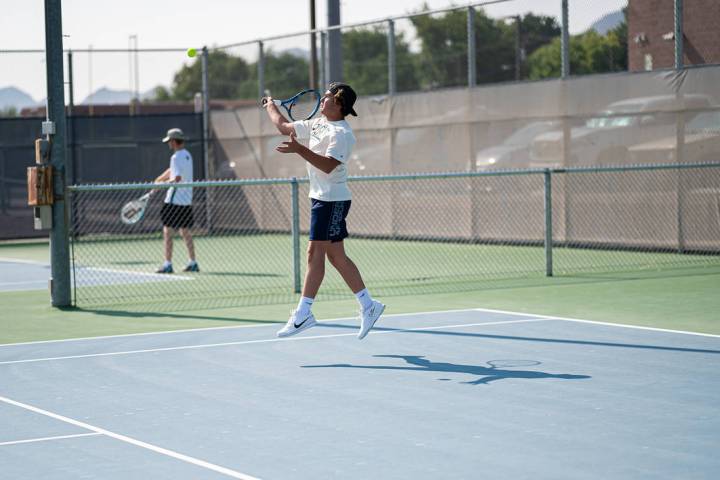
<point x="264" y="101"/>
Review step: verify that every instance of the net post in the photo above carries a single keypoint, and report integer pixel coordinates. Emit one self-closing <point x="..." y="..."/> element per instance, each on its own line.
<point x="471" y="52"/>
<point x="296" y="233"/>
<point x="392" y="81"/>
<point x="565" y="41"/>
<point x="56" y="134"/>
<point x="548" y="223"/>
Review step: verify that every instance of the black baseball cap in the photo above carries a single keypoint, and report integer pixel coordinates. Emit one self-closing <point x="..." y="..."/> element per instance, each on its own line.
<point x="347" y="96"/>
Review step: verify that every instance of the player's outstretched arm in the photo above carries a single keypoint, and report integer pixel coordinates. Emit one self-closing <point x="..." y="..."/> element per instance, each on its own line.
<point x="280" y="122"/>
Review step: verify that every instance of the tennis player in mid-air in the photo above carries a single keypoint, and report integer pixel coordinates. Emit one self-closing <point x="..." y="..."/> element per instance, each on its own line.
<point x="331" y="141"/>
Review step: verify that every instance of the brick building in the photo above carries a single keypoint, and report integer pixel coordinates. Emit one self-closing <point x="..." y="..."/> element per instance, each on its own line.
<point x="651" y="40"/>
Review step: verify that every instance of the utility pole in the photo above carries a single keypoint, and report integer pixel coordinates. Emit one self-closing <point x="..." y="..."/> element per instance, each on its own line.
<point x="313" y="49"/>
<point x="54" y="129"/>
<point x="334" y="46"/>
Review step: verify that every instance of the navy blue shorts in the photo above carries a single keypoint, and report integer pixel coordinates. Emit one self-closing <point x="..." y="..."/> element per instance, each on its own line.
<point x="327" y="220"/>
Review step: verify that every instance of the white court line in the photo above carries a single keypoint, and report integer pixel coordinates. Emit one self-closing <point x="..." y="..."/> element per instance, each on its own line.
<point x="19" y="260"/>
<point x="165" y="277"/>
<point x="264" y="340"/>
<point x="132" y="441"/>
<point x="273" y="324"/>
<point x="160" y="276"/>
<point x="29" y="282"/>
<point x="578" y="320"/>
<point x="45" y="439"/>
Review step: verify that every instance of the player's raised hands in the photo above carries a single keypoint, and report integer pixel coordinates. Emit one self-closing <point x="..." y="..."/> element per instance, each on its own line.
<point x="291" y="146"/>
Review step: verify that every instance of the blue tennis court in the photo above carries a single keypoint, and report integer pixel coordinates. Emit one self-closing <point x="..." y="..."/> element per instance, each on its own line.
<point x="457" y="394"/>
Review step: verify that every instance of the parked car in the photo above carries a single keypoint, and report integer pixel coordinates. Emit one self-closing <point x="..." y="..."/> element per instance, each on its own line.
<point x="605" y="139"/>
<point x="702" y="143"/>
<point x="514" y="151"/>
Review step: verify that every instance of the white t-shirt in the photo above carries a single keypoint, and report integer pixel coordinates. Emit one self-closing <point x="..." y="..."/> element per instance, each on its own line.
<point x="329" y="139"/>
<point x="181" y="165"/>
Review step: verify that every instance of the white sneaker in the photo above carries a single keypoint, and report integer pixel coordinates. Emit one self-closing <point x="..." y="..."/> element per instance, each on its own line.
<point x="368" y="317"/>
<point x="295" y="325"/>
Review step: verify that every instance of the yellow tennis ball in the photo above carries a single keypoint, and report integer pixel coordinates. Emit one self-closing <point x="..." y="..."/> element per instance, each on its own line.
<point x="191" y="52"/>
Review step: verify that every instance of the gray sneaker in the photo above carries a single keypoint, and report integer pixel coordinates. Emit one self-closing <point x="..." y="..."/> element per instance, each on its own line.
<point x="368" y="317"/>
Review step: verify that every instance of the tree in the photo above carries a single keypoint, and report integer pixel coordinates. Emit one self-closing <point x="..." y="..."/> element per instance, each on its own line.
<point x="443" y="58"/>
<point x="285" y="75"/>
<point x="225" y="72"/>
<point x="590" y="52"/>
<point x="365" y="61"/>
<point x="9" y="112"/>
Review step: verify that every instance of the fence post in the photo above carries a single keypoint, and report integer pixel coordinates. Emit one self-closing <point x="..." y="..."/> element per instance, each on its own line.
<point x="679" y="124"/>
<point x="565" y="41"/>
<point x="204" y="60"/>
<point x="205" y="110"/>
<point x="296" y="233"/>
<point x="323" y="61"/>
<point x="471" y="53"/>
<point x="548" y="223"/>
<point x="261" y="70"/>
<point x="679" y="34"/>
<point x="71" y="175"/>
<point x="392" y="82"/>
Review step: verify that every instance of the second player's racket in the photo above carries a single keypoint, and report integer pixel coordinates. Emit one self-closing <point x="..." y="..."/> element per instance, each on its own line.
<point x="134" y="211"/>
<point x="302" y="106"/>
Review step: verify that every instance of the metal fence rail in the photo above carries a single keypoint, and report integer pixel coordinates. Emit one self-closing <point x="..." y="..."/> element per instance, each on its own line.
<point x="409" y="233"/>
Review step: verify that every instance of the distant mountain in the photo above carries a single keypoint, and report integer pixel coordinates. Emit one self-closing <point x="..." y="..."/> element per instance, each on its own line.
<point x="608" y="22"/>
<point x="108" y="96"/>
<point x="14" y="97"/>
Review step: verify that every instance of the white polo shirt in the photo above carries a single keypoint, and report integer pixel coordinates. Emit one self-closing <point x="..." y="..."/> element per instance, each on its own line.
<point x="181" y="165"/>
<point x="330" y="139"/>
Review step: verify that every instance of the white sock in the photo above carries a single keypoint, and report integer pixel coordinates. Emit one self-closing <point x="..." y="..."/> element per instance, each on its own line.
<point x="191" y="263"/>
<point x="167" y="264"/>
<point x="364" y="298"/>
<point x="304" y="306"/>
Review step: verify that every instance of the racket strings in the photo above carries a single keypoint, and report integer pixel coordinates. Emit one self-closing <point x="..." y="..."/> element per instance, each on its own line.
<point x="305" y="106"/>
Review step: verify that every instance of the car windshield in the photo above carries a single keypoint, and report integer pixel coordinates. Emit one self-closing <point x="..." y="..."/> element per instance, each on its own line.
<point x="605" y="122"/>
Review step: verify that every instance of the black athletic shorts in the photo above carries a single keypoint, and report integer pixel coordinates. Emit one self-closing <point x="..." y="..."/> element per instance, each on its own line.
<point x="327" y="220"/>
<point x="177" y="216"/>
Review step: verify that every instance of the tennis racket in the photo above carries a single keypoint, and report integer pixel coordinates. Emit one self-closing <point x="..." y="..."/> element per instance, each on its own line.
<point x="134" y="211"/>
<point x="302" y="106"/>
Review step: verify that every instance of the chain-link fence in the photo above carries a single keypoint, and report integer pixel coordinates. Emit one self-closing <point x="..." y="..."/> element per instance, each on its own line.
<point x="409" y="234"/>
<point x="483" y="43"/>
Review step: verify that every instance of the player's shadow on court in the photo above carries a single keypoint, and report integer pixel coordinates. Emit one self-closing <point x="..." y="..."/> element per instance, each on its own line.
<point x="487" y="374"/>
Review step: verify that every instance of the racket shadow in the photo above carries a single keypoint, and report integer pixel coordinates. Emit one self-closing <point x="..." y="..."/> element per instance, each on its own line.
<point x="487" y="374"/>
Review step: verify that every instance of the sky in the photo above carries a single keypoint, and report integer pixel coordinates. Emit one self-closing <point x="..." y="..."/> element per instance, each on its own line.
<point x="193" y="23"/>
